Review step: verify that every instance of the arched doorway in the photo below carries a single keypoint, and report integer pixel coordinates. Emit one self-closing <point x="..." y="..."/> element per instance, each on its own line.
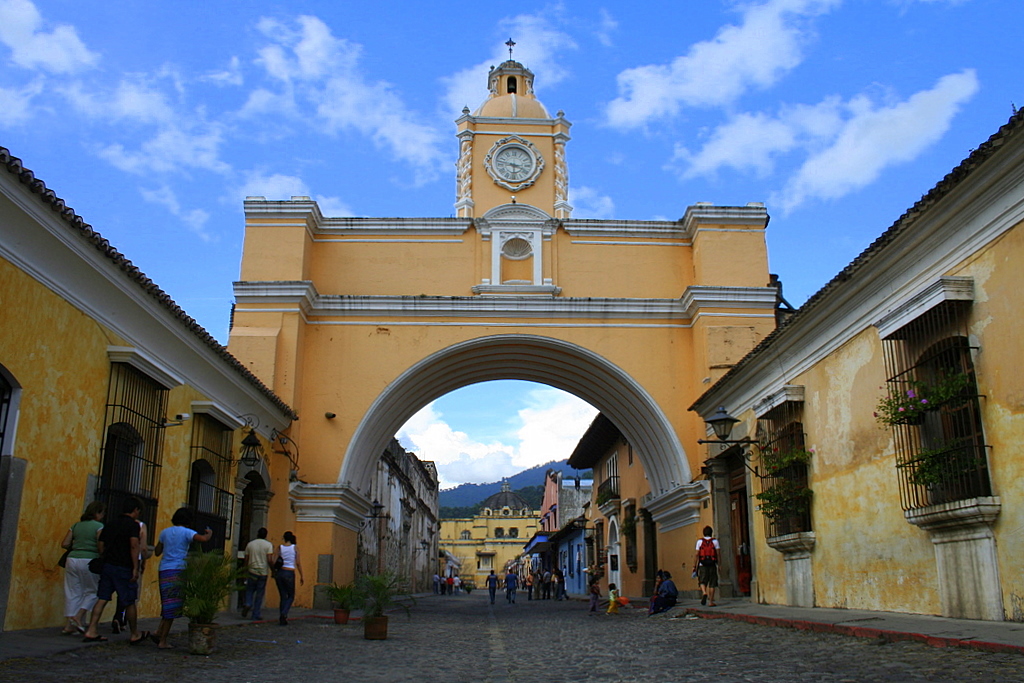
<point x="614" y="553"/>
<point x="557" y="363"/>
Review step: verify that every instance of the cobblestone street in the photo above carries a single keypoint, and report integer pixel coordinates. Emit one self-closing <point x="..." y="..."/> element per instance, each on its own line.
<point x="464" y="639"/>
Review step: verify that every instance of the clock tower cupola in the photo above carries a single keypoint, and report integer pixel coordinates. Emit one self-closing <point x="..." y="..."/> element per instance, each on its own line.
<point x="510" y="149"/>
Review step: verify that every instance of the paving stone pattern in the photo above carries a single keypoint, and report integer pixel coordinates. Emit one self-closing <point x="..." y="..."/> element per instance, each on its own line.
<point x="464" y="639"/>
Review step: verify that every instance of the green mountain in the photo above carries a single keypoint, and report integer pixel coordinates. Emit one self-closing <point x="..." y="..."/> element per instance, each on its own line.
<point x="465" y="500"/>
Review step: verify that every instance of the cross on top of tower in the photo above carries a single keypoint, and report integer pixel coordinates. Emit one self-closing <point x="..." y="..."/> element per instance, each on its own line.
<point x="511" y="44"/>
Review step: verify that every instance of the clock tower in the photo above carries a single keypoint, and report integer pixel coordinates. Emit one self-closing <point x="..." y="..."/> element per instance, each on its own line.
<point x="511" y="151"/>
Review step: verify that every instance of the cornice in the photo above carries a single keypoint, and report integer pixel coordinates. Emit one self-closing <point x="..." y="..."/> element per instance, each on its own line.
<point x="337" y="504"/>
<point x="700" y="214"/>
<point x="677" y="508"/>
<point x="697" y="297"/>
<point x="218" y="412"/>
<point x="790" y="393"/>
<point x="942" y="290"/>
<point x="146" y="364"/>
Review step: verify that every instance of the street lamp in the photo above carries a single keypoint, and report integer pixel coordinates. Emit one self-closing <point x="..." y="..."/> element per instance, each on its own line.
<point x="252" y="450"/>
<point x="721" y="424"/>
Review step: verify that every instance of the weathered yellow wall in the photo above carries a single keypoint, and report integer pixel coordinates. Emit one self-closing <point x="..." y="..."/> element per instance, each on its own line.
<point x="867" y="556"/>
<point x="995" y="324"/>
<point x="64" y="378"/>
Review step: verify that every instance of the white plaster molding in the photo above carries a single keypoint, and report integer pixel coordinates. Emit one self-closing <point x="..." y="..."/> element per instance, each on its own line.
<point x="678" y="507"/>
<point x="300" y="294"/>
<point x="942" y="290"/>
<point x="701" y="214"/>
<point x="219" y="413"/>
<point x="957" y="517"/>
<point x="790" y="393"/>
<point x="793" y="546"/>
<point x="966" y="560"/>
<point x="696" y="297"/>
<point x="330" y="503"/>
<point x="146" y="364"/>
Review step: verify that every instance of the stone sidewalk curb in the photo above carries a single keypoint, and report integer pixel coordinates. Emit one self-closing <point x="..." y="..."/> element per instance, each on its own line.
<point x="861" y="631"/>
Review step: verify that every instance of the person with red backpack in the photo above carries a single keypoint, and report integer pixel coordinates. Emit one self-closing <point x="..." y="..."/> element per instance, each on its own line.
<point x="707" y="567"/>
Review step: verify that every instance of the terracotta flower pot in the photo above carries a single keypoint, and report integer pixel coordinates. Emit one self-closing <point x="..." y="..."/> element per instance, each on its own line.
<point x="340" y="616"/>
<point x="202" y="638"/>
<point x="375" y="628"/>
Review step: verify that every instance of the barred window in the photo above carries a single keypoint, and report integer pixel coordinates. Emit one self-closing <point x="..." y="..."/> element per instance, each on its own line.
<point x="210" y="478"/>
<point x="133" y="442"/>
<point x="499" y="532"/>
<point x="785" y="498"/>
<point x="464" y="536"/>
<point x="941" y="455"/>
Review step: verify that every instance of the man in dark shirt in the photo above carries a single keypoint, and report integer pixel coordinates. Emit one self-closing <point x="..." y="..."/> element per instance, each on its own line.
<point x="119" y="548"/>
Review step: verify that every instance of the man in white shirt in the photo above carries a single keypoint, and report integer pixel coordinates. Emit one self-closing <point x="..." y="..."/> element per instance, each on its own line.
<point x="259" y="556"/>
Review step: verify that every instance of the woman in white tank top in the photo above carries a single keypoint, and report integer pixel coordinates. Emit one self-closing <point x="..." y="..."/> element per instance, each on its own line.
<point x="285" y="578"/>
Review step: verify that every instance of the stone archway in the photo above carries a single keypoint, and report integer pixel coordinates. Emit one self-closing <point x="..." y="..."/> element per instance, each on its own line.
<point x="572" y="368"/>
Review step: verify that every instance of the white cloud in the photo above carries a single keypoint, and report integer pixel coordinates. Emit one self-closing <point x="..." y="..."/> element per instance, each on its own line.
<point x="322" y="71"/>
<point x="194" y="219"/>
<point x="551" y="426"/>
<point x="173" y="149"/>
<point x="767" y="44"/>
<point x="273" y="186"/>
<point x="59" y="51"/>
<point x="134" y="99"/>
<point x="537" y="48"/>
<point x="874" y="138"/>
<point x="845" y="145"/>
<point x="16" y="103"/>
<point x="606" y="28"/>
<point x="589" y="203"/>
<point x="230" y="75"/>
<point x="751" y="142"/>
<point x="280" y="186"/>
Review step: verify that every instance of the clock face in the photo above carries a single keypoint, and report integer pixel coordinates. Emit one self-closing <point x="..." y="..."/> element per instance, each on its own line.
<point x="513" y="164"/>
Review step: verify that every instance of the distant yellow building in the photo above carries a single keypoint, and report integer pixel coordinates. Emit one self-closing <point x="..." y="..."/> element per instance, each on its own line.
<point x="493" y="538"/>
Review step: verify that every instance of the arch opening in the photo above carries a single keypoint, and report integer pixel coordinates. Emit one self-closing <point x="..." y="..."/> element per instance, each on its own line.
<point x="543" y="360"/>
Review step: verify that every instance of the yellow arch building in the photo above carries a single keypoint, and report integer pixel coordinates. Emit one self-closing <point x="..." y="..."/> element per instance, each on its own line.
<point x="372" y="318"/>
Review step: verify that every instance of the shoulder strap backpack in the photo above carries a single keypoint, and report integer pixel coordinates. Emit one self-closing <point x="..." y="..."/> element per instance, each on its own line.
<point x="707" y="556"/>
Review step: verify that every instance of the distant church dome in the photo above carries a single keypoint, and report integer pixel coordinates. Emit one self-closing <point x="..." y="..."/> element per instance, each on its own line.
<point x="511" y="87"/>
<point x="505" y="498"/>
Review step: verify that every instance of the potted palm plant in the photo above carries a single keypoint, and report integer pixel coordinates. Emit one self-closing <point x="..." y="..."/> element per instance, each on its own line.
<point x="379" y="593"/>
<point x="345" y="598"/>
<point x="205" y="584"/>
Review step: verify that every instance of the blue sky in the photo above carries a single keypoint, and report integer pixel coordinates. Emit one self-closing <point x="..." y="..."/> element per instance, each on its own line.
<point x="155" y="120"/>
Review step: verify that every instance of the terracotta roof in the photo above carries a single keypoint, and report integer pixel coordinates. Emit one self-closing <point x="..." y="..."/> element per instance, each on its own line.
<point x="84" y="230"/>
<point x="904" y="223"/>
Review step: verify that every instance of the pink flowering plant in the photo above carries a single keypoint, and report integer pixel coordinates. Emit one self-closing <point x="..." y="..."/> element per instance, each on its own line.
<point x="909" y="406"/>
